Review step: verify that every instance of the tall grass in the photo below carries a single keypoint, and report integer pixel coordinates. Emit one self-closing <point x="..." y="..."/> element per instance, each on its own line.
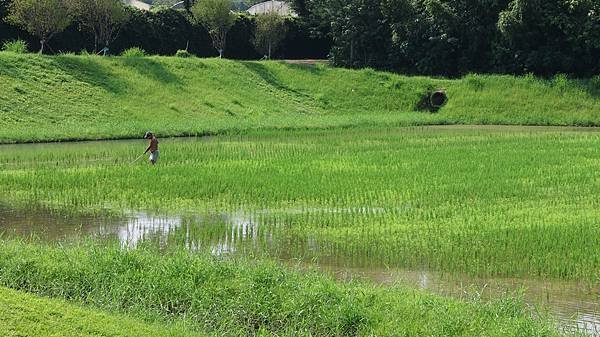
<point x="16" y="46"/>
<point x="134" y="52"/>
<point x="485" y="201"/>
<point x="68" y="97"/>
<point x="245" y="298"/>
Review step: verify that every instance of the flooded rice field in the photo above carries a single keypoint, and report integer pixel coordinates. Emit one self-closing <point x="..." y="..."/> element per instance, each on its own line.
<point x="467" y="212"/>
<point x="575" y="305"/>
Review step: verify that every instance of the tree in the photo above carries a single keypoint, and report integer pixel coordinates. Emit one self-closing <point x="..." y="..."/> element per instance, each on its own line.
<point x="360" y="35"/>
<point x="103" y="18"/>
<point x="41" y="18"/>
<point x="550" y="36"/>
<point x="217" y="18"/>
<point x="300" y="7"/>
<point x="270" y="31"/>
<point x="187" y="4"/>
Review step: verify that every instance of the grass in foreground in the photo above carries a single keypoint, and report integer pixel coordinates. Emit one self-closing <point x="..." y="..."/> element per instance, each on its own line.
<point x="242" y="297"/>
<point x="45" y="98"/>
<point x="26" y="315"/>
<point x="499" y="202"/>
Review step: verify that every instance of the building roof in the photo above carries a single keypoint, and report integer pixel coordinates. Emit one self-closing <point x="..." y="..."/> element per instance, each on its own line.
<point x="178" y="5"/>
<point x="280" y="7"/>
<point x="138" y="4"/>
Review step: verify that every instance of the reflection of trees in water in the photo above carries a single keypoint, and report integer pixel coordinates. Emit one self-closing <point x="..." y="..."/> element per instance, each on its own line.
<point x="218" y="233"/>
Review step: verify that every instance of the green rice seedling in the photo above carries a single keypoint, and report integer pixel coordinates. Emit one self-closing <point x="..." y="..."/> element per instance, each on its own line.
<point x="487" y="201"/>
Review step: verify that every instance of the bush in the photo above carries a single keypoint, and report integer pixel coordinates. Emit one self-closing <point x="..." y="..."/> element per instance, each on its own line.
<point x="183" y="53"/>
<point x="134" y="52"/>
<point x="15" y="46"/>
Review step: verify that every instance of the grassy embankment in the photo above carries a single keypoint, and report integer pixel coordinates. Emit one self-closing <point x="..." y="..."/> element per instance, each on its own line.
<point x="497" y="202"/>
<point x="236" y="298"/>
<point x="26" y="315"/>
<point x="46" y="98"/>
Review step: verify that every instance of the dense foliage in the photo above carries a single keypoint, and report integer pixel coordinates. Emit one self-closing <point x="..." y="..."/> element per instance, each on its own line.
<point x="453" y="37"/>
<point x="432" y="37"/>
<point x="165" y="31"/>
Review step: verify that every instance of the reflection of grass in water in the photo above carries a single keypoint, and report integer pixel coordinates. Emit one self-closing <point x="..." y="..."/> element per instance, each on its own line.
<point x="199" y="234"/>
<point x="223" y="235"/>
<point x="234" y="297"/>
<point x="498" y="201"/>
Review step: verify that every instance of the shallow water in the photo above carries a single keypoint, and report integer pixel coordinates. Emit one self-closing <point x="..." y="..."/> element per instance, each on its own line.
<point x="576" y="306"/>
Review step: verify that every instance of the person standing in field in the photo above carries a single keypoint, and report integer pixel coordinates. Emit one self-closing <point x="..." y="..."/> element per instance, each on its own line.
<point x="152" y="148"/>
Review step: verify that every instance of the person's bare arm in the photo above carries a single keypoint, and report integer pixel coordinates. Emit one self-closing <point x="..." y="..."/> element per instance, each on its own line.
<point x="148" y="149"/>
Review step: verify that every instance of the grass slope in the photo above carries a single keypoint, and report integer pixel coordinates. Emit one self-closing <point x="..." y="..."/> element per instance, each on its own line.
<point x="249" y="298"/>
<point x="46" y="98"/>
<point x="26" y="315"/>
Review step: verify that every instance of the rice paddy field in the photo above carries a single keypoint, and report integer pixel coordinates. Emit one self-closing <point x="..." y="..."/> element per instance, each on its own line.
<point x="516" y="204"/>
<point x="306" y="200"/>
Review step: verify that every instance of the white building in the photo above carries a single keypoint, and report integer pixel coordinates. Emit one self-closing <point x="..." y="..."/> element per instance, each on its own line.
<point x="137" y="4"/>
<point x="178" y="5"/>
<point x="280" y="7"/>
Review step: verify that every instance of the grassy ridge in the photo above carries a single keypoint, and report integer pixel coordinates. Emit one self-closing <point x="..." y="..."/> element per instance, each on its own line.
<point x="243" y="298"/>
<point x="26" y="315"/>
<point x="486" y="201"/>
<point x="86" y="97"/>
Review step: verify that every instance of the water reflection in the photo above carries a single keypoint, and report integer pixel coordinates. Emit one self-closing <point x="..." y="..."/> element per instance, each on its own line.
<point x="576" y="306"/>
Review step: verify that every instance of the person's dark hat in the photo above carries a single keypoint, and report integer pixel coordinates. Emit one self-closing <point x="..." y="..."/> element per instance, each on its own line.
<point x="148" y="135"/>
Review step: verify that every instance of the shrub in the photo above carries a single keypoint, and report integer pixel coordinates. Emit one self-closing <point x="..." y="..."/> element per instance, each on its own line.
<point x="183" y="53"/>
<point x="134" y="52"/>
<point x="15" y="46"/>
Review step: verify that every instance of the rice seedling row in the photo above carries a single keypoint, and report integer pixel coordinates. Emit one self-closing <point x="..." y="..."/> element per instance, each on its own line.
<point x="492" y="201"/>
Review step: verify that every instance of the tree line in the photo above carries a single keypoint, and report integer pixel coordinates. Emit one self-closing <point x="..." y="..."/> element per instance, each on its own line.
<point x="431" y="37"/>
<point x="113" y="27"/>
<point x="454" y="37"/>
